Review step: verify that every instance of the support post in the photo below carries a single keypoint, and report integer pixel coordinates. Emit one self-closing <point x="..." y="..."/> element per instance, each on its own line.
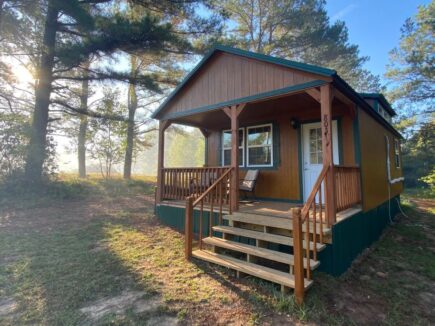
<point x="188" y="232"/>
<point x="233" y="113"/>
<point x="326" y="118"/>
<point x="298" y="268"/>
<point x="163" y="125"/>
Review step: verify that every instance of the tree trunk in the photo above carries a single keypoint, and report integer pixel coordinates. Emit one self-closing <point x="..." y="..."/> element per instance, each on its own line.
<point x="83" y="125"/>
<point x="132" y="107"/>
<point x="38" y="138"/>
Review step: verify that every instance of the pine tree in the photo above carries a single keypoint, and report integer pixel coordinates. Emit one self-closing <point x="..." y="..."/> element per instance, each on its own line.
<point x="411" y="70"/>
<point x="74" y="30"/>
<point x="297" y="30"/>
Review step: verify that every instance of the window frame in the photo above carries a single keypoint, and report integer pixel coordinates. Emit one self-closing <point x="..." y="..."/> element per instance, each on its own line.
<point x="242" y="161"/>
<point x="257" y="146"/>
<point x="397" y="153"/>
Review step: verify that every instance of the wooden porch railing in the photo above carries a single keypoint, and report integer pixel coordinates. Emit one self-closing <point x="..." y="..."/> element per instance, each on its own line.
<point x="216" y="196"/>
<point x="179" y="183"/>
<point x="313" y="217"/>
<point x="347" y="186"/>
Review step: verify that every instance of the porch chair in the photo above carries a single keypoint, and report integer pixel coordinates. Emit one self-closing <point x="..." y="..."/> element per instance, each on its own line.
<point x="204" y="181"/>
<point x="247" y="184"/>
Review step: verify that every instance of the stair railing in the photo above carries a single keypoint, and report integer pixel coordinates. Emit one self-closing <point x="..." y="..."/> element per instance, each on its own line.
<point x="215" y="196"/>
<point x="311" y="221"/>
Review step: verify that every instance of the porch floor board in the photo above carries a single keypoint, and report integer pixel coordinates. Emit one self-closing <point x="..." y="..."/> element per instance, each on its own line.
<point x="267" y="208"/>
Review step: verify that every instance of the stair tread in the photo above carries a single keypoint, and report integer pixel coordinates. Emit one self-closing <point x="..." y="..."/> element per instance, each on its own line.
<point x="265" y="273"/>
<point x="271" y="221"/>
<point x="280" y="239"/>
<point x="257" y="251"/>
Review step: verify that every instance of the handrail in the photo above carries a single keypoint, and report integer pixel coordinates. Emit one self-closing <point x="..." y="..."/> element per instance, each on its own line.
<point x="347" y="193"/>
<point x="204" y="194"/>
<point x="301" y="220"/>
<point x="179" y="183"/>
<point x="217" y="193"/>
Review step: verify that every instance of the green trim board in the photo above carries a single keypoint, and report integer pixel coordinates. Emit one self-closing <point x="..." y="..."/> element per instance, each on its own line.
<point x="301" y="177"/>
<point x="349" y="237"/>
<point x="247" y="99"/>
<point x="248" y="54"/>
<point x="276" y="145"/>
<point x="337" y="81"/>
<point x="340" y="141"/>
<point x="361" y="102"/>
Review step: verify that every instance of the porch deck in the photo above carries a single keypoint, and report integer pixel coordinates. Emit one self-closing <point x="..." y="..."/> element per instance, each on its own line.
<point x="267" y="208"/>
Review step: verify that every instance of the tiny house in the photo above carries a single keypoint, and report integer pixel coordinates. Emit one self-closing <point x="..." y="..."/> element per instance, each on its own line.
<point x="327" y="158"/>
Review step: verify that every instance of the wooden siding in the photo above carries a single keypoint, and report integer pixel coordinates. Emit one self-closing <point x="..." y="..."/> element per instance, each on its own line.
<point x="227" y="77"/>
<point x="373" y="162"/>
<point x="283" y="181"/>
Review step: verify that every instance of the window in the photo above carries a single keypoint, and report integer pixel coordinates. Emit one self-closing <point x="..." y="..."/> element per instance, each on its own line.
<point x="383" y="113"/>
<point x="397" y="153"/>
<point x="316" y="156"/>
<point x="226" y="147"/>
<point x="260" y="146"/>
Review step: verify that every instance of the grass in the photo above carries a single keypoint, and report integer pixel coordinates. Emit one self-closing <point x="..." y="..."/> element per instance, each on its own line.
<point x="58" y="256"/>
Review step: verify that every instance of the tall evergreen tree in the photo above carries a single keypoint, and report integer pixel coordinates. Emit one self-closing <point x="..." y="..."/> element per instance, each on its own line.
<point x="411" y="69"/>
<point x="298" y="30"/>
<point x="72" y="32"/>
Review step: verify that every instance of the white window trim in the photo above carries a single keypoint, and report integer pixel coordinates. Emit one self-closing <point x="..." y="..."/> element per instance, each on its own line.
<point x="397" y="153"/>
<point x="256" y="146"/>
<point x="242" y="161"/>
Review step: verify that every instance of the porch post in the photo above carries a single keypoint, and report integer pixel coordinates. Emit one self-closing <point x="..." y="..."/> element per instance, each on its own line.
<point x="233" y="113"/>
<point x="163" y="125"/>
<point x="326" y="119"/>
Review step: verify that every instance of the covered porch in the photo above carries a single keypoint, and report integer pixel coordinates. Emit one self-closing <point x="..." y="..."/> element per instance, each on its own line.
<point x="284" y="151"/>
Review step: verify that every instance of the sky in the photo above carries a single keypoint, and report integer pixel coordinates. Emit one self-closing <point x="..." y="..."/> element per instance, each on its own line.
<point x="374" y="25"/>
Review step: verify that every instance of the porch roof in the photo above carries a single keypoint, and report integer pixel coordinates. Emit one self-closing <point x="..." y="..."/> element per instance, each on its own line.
<point x="323" y="74"/>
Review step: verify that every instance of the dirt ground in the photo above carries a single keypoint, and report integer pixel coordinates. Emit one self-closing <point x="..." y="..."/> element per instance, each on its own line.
<point x="109" y="261"/>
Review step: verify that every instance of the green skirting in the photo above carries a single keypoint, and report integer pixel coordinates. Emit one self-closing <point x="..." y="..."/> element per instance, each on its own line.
<point x="350" y="237"/>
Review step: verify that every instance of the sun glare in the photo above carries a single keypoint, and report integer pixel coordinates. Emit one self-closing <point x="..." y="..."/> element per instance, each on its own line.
<point x="22" y="74"/>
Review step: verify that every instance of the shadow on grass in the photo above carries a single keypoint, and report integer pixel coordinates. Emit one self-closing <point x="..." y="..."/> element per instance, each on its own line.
<point x="52" y="274"/>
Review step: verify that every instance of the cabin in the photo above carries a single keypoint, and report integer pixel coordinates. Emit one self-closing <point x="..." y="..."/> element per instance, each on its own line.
<point x="326" y="160"/>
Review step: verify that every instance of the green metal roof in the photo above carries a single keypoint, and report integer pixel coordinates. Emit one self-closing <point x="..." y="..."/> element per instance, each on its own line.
<point x="359" y="98"/>
<point x="380" y="97"/>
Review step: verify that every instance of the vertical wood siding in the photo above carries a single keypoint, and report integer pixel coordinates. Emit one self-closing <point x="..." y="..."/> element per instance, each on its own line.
<point x="373" y="162"/>
<point x="283" y="181"/>
<point x="227" y="77"/>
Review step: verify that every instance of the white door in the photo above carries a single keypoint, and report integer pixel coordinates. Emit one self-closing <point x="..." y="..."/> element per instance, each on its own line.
<point x="312" y="156"/>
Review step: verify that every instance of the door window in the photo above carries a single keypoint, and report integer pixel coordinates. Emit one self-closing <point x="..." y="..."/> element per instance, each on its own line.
<point x="316" y="156"/>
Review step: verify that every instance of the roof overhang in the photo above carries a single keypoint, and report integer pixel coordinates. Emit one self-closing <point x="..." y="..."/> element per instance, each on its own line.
<point x="250" y="99"/>
<point x="337" y="81"/>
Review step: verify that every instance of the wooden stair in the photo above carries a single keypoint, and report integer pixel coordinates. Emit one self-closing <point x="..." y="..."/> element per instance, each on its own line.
<point x="258" y="260"/>
<point x="269" y="221"/>
<point x="257" y="251"/>
<point x="263" y="272"/>
<point x="264" y="236"/>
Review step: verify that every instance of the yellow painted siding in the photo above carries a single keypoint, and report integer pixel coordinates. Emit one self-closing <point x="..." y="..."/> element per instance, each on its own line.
<point x="374" y="162"/>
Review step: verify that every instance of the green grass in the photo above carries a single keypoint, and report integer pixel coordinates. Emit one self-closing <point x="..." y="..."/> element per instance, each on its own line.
<point x="60" y="255"/>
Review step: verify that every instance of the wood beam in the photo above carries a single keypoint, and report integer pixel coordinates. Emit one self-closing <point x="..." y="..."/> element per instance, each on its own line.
<point x="204" y="132"/>
<point x="326" y="118"/>
<point x="345" y="100"/>
<point x="239" y="108"/>
<point x="234" y="193"/>
<point x="314" y="93"/>
<point x="163" y="125"/>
